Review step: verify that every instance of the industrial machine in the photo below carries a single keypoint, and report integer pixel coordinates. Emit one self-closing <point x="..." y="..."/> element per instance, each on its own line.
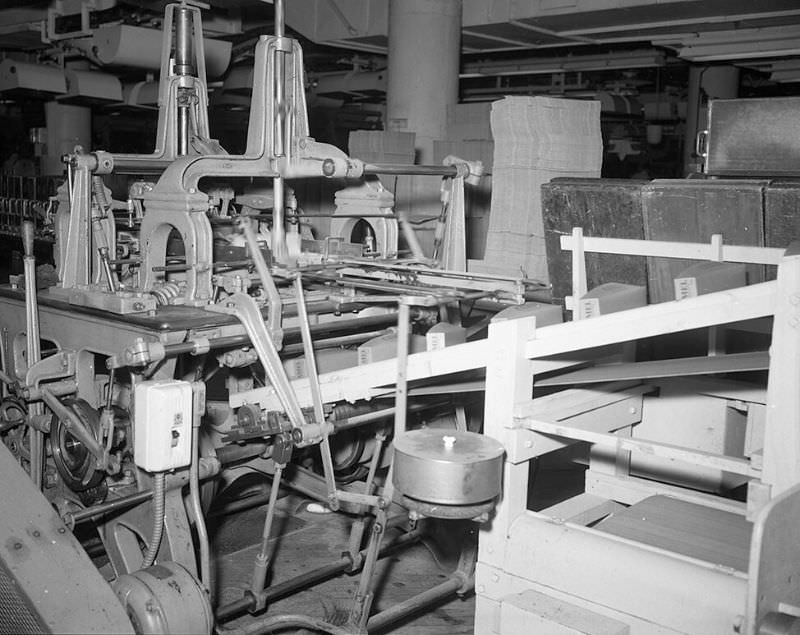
<point x="197" y="331"/>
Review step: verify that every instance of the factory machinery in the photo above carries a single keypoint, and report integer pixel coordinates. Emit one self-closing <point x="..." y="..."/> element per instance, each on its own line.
<point x="197" y="332"/>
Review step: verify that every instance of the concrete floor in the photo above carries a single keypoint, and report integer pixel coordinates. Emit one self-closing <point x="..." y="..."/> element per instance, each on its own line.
<point x="306" y="540"/>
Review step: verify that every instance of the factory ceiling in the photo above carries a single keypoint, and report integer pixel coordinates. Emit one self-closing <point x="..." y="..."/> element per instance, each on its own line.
<point x="748" y="32"/>
<point x="506" y="44"/>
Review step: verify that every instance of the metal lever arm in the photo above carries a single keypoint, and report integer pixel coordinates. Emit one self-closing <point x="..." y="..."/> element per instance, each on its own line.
<point x="246" y="310"/>
<point x="316" y="393"/>
<point x="275" y="302"/>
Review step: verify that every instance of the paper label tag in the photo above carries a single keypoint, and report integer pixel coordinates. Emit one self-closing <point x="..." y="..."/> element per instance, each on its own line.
<point x="434" y="341"/>
<point x="685" y="288"/>
<point x="589" y="307"/>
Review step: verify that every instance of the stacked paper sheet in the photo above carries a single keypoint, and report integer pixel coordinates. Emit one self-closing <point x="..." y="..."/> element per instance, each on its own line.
<point x="535" y="140"/>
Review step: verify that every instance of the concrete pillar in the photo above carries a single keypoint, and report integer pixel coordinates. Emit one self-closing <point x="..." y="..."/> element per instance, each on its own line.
<point x="424" y="51"/>
<point x="705" y="82"/>
<point x="67" y="126"/>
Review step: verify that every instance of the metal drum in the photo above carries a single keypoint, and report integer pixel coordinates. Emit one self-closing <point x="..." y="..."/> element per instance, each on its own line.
<point x="448" y="467"/>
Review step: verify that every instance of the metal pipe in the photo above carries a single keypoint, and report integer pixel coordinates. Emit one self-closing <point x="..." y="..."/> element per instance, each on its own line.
<point x="230" y="341"/>
<point x="401" y="392"/>
<point x="194" y="489"/>
<point x="414" y="604"/>
<point x="262" y="558"/>
<point x="183" y="68"/>
<point x="75" y="518"/>
<point x="278" y="228"/>
<point x="279" y="135"/>
<point x="311" y="578"/>
<point x="333" y="342"/>
<point x="280" y="18"/>
<point x="433" y="170"/>
<point x="282" y="622"/>
<point x="369" y="417"/>
<point x="183" y="42"/>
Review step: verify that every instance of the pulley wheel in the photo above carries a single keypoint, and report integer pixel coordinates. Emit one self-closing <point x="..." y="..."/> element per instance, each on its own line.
<point x="448" y="467"/>
<point x="74" y="462"/>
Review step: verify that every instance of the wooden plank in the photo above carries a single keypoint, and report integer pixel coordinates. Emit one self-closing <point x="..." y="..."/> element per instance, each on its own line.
<point x="670" y="590"/>
<point x="650" y="448"/>
<point x="522" y="444"/>
<point x="712" y="535"/>
<point x="582" y="509"/>
<point x="692" y="210"/>
<point x="532" y="612"/>
<point x="669" y="317"/>
<point x="571" y="403"/>
<point x="781" y="430"/>
<point x="672" y="249"/>
<point x="630" y="489"/>
<point x="509" y="380"/>
<point x="493" y="585"/>
<point x="735" y="363"/>
<point x="356" y="383"/>
<point x="774" y="560"/>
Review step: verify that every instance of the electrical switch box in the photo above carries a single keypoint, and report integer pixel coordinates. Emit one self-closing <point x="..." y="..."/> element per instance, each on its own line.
<point x="162" y="425"/>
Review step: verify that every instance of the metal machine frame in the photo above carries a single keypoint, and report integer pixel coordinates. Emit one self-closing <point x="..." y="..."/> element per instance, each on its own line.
<point x="81" y="361"/>
<point x="78" y="357"/>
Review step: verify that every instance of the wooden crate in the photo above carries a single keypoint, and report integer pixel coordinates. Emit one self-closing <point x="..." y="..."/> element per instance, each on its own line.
<point x="602" y="207"/>
<point x="693" y="210"/>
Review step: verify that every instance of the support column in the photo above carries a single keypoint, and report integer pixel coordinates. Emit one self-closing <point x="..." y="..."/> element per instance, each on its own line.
<point x="424" y="52"/>
<point x="705" y="82"/>
<point x="67" y="126"/>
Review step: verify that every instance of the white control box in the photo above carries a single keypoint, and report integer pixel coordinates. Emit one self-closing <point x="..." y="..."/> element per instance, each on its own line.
<point x="162" y="425"/>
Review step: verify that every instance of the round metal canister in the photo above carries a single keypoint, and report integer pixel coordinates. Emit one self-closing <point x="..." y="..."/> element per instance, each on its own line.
<point x="448" y="467"/>
<point x="164" y="599"/>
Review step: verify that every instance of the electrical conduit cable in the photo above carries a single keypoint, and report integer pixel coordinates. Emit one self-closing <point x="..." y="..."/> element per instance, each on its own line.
<point x="158" y="520"/>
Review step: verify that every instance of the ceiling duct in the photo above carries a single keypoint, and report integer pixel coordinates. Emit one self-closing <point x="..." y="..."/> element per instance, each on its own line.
<point x="91" y="87"/>
<point x="140" y="95"/>
<point x="138" y="47"/>
<point x="32" y="80"/>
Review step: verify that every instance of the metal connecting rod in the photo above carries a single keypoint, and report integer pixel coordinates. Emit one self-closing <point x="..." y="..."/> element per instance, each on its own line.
<point x="33" y="347"/>
<point x="245" y="308"/>
<point x="316" y="393"/>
